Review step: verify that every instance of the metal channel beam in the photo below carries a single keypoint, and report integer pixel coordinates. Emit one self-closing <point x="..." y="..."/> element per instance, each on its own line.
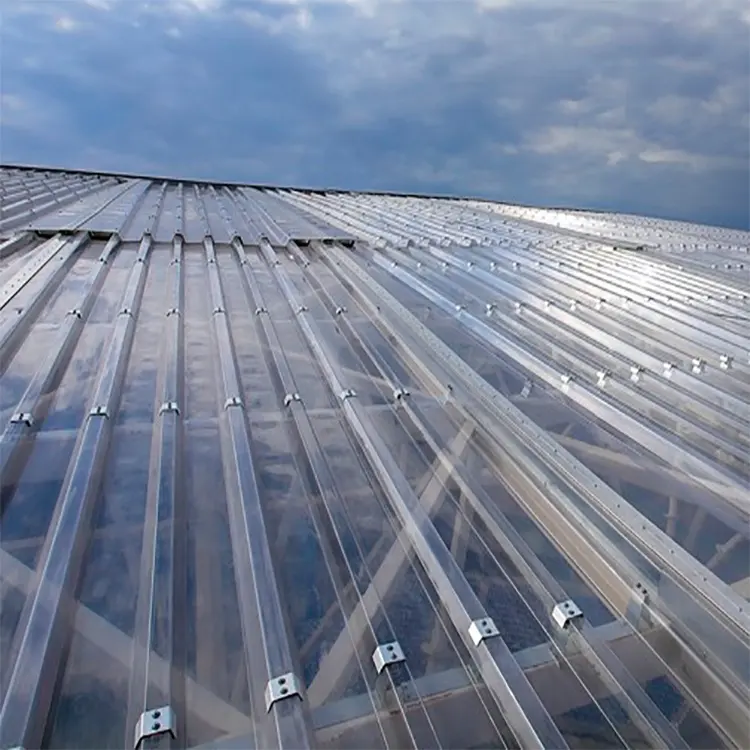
<point x="45" y="617"/>
<point x="336" y="518"/>
<point x="521" y="706"/>
<point x="258" y="593"/>
<point x="632" y="404"/>
<point x="33" y="406"/>
<point x="336" y="665"/>
<point x="615" y="586"/>
<point x="12" y="244"/>
<point x="162" y="588"/>
<point x="634" y="700"/>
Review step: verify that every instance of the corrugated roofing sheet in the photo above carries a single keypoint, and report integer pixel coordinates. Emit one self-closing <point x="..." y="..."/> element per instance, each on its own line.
<point x="296" y="469"/>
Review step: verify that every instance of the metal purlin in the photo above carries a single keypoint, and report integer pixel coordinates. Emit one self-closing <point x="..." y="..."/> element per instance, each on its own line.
<point x="728" y="606"/>
<point x="336" y="515"/>
<point x="524" y="712"/>
<point x="633" y="699"/>
<point x="162" y="589"/>
<point x="259" y="599"/>
<point x="31" y="683"/>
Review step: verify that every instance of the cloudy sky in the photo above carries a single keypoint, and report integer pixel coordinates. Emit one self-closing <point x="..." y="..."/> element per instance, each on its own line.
<point x="632" y="105"/>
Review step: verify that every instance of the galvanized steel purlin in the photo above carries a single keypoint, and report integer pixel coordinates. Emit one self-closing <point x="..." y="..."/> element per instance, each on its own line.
<point x="259" y="594"/>
<point x="28" y="695"/>
<point x="367" y="597"/>
<point x="522" y="709"/>
<point x="635" y="701"/>
<point x="698" y="574"/>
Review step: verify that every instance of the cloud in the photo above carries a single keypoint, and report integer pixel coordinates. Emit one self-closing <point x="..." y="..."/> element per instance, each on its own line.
<point x="630" y="106"/>
<point x="66" y="23"/>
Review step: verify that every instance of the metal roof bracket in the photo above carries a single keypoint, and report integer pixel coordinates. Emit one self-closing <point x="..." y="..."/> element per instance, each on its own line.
<point x="155" y="722"/>
<point x="282" y="687"/>
<point x="565" y="612"/>
<point x="387" y="654"/>
<point x="169" y="406"/>
<point x="23" y="417"/>
<point x="481" y="629"/>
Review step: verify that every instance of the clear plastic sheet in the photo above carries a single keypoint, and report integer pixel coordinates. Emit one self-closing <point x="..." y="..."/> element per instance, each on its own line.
<point x="386" y="468"/>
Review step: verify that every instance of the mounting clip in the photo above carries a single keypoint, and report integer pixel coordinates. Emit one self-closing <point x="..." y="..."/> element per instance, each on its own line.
<point x="399" y="394"/>
<point x="565" y="612"/>
<point x="638" y="599"/>
<point x="99" y="411"/>
<point x="347" y="393"/>
<point x="387" y="654"/>
<point x="483" y="628"/>
<point x="23" y="417"/>
<point x="155" y="722"/>
<point x="169" y="406"/>
<point x="291" y="398"/>
<point x="233" y="401"/>
<point x="282" y="687"/>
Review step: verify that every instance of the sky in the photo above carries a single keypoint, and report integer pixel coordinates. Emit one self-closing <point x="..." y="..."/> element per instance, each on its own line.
<point x="639" y="106"/>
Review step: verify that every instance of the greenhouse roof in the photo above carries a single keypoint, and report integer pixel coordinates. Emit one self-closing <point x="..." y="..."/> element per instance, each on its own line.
<point x="293" y="468"/>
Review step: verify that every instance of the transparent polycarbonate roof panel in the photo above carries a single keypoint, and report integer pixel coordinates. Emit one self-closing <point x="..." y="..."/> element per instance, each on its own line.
<point x="259" y="443"/>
